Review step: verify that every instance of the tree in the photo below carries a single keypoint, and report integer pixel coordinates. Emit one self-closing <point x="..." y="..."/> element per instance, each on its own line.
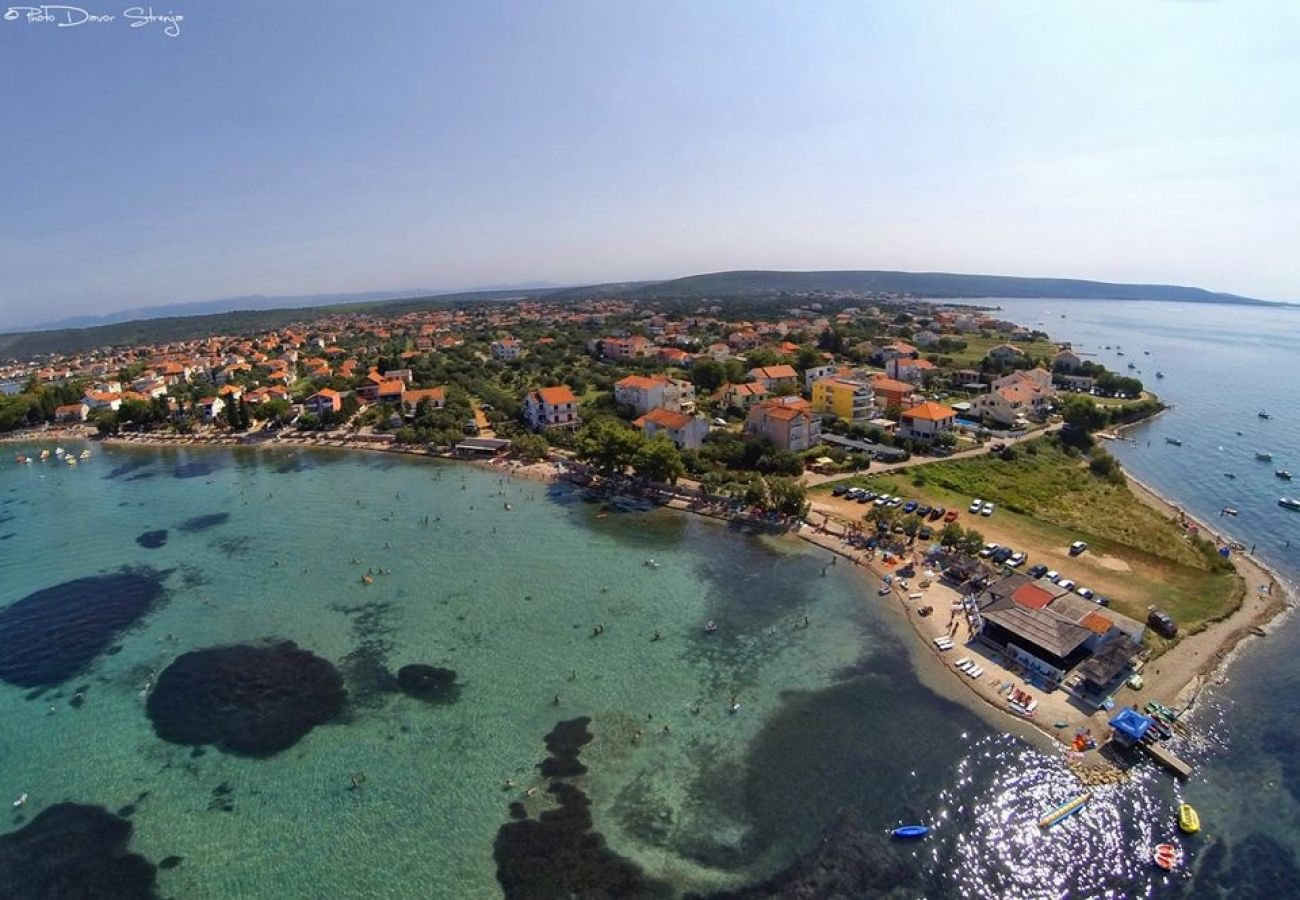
<point x="530" y="447"/>
<point x="952" y="535"/>
<point x="787" y="495"/>
<point x="658" y="460"/>
<point x="1081" y="412"/>
<point x="972" y="541"/>
<point x="708" y="374"/>
<point x="607" y="444"/>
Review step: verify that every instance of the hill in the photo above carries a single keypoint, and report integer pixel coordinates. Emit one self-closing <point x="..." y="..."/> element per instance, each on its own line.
<point x="24" y="344"/>
<point x="918" y="284"/>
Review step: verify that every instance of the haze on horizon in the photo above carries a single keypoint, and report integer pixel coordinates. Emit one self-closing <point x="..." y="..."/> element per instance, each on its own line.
<point x="299" y="148"/>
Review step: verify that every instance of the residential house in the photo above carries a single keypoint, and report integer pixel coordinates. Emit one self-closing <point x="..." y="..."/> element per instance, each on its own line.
<point x="775" y="377"/>
<point x="646" y="392"/>
<point x="926" y="338"/>
<point x="1066" y="360"/>
<point x="788" y="422"/>
<point x="898" y="349"/>
<point x="891" y="391"/>
<point x="675" y="357"/>
<point x="687" y="432"/>
<point x="211" y="407"/>
<point x="411" y="400"/>
<point x="1005" y="353"/>
<point x="1012" y="405"/>
<point x="507" y="349"/>
<point x="850" y="399"/>
<point x="817" y="373"/>
<point x="326" y="400"/>
<point x="741" y="396"/>
<point x="72" y="412"/>
<point x="103" y="400"/>
<point x="904" y="368"/>
<point x="624" y="348"/>
<point x="1037" y="377"/>
<point x="551" y="407"/>
<point x="926" y="421"/>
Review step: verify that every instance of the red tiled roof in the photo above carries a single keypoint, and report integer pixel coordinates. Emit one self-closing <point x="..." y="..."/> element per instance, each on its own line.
<point x="556" y="395"/>
<point x="1032" y="596"/>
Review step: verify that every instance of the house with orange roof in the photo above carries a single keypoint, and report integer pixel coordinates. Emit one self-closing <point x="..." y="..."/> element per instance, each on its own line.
<point x="621" y="348"/>
<point x="551" y="407"/>
<point x="891" y="391"/>
<point x="675" y="356"/>
<point x="926" y="421"/>
<point x="687" y="432"/>
<point x="103" y="400"/>
<point x="646" y="392"/>
<point x="71" y="412"/>
<point x="326" y="400"/>
<point x="788" y="422"/>
<point x="774" y="377"/>
<point x="210" y="407"/>
<point x="741" y="396"/>
<point x="507" y="349"/>
<point x="411" y="400"/>
<point x="898" y="349"/>
<point x="904" y="368"/>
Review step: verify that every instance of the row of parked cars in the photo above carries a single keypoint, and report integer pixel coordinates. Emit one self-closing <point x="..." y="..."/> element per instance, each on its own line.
<point x="909" y="507"/>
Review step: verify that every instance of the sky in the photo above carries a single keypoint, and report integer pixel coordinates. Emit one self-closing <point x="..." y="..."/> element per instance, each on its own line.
<point x="320" y="147"/>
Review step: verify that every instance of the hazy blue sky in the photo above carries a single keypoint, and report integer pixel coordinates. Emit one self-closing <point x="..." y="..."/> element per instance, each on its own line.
<point x="294" y="147"/>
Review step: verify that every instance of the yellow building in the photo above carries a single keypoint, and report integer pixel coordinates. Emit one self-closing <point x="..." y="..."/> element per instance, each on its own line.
<point x="844" y="398"/>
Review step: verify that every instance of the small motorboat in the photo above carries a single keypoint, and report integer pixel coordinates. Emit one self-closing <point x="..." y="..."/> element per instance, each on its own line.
<point x="1229" y="475"/>
<point x="45" y="454"/>
<point x="884" y="590"/>
<point x="1263" y="415"/>
<point x="1160" y="374"/>
<point x="652" y="563"/>
<point x="1065" y="810"/>
<point x="1167" y="856"/>
<point x="1229" y="511"/>
<point x="1188" y="820"/>
<point x="1175" y="441"/>
<point x="710" y="627"/>
<point x="910" y="832"/>
<point x="1263" y="456"/>
<point x="22" y="800"/>
<point x="733" y="708"/>
<point x="1283" y="474"/>
<point x="85" y="454"/>
<point x="1288" y="502"/>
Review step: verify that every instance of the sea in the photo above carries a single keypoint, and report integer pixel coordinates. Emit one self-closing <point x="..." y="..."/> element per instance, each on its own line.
<point x="768" y="756"/>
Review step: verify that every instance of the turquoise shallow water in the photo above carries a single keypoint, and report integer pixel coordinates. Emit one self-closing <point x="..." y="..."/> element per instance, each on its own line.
<point x="834" y="718"/>
<point x="506" y="597"/>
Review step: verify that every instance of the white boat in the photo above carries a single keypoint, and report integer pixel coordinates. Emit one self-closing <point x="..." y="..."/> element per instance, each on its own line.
<point x="85" y="454"/>
<point x="1288" y="502"/>
<point x="1263" y="456"/>
<point x="975" y="671"/>
<point x="963" y="662"/>
<point x="45" y="454"/>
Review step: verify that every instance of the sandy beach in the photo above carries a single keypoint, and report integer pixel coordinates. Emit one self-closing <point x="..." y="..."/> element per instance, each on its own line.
<point x="1174" y="678"/>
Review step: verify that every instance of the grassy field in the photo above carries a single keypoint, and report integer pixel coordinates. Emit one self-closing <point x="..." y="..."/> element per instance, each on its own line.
<point x="977" y="348"/>
<point x="1047" y="499"/>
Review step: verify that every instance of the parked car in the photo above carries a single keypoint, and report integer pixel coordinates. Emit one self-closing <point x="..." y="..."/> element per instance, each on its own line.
<point x="895" y="502"/>
<point x="986" y="509"/>
<point x="840" y="490"/>
<point x="720" y="423"/>
<point x="975" y="505"/>
<point x="1001" y="555"/>
<point x="1085" y="593"/>
<point x="1052" y="575"/>
<point x="1037" y="571"/>
<point x="1162" y="622"/>
<point x="882" y="500"/>
<point x="938" y="513"/>
<point x="923" y="510"/>
<point x="898" y="528"/>
<point x="989" y="550"/>
<point x="950" y="516"/>
<point x="1065" y="584"/>
<point x="866" y="496"/>
<point x="1100" y="600"/>
<point x="1017" y="559"/>
<point x="882" y="527"/>
<point x="1078" y="547"/>
<point x="925" y="533"/>
<point x="910" y="506"/>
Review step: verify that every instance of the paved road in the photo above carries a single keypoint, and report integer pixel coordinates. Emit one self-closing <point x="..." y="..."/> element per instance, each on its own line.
<point x="812" y="478"/>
